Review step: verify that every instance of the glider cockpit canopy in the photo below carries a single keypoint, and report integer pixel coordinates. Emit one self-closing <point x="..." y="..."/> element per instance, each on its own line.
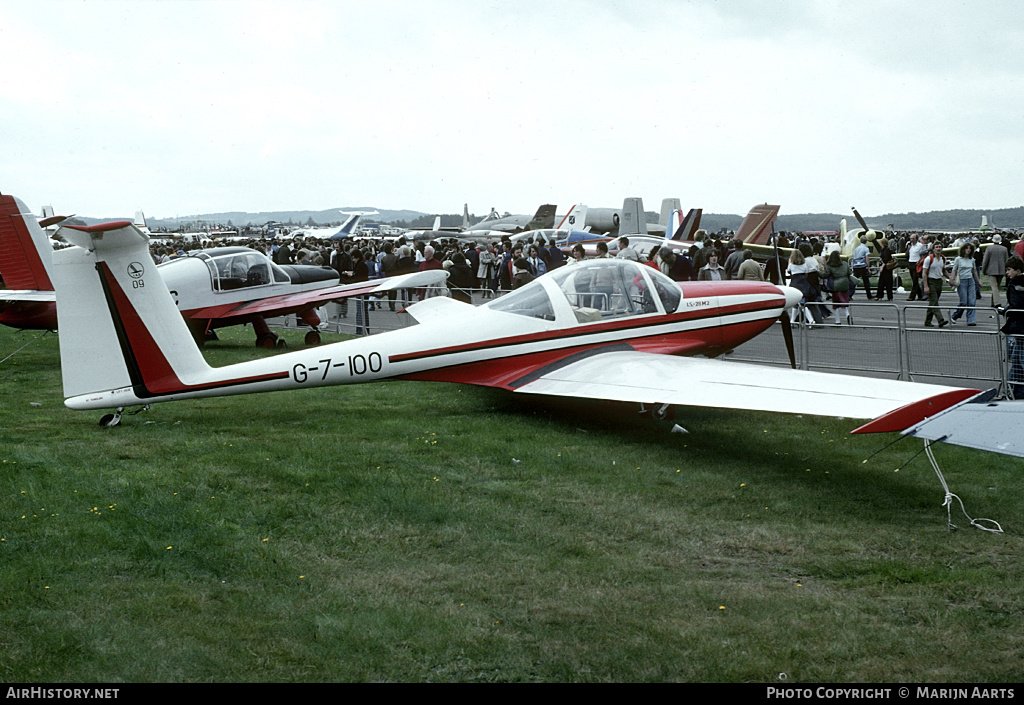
<point x="594" y="290"/>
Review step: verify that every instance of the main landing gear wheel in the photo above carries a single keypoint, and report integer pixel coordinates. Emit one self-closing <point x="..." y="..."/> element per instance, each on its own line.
<point x="268" y="341"/>
<point x="313" y="337"/>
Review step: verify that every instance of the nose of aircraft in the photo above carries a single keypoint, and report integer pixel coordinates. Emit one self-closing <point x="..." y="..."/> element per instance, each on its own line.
<point x="792" y="295"/>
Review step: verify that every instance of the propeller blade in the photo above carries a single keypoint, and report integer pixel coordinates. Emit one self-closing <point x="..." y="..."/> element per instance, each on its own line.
<point x="787" y="335"/>
<point x="860" y="220"/>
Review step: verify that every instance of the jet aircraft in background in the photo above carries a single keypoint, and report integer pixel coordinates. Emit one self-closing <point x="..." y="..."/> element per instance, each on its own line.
<point x="677" y="227"/>
<point x="755" y="232"/>
<point x="438" y="231"/>
<point x="494" y="228"/>
<point x="345" y="230"/>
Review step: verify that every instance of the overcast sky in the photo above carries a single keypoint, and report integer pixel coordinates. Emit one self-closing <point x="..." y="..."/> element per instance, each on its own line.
<point x="193" y="107"/>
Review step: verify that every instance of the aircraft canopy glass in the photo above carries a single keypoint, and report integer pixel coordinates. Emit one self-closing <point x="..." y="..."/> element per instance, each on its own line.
<point x="531" y="300"/>
<point x="240" y="267"/>
<point x="596" y="290"/>
<point x="610" y="288"/>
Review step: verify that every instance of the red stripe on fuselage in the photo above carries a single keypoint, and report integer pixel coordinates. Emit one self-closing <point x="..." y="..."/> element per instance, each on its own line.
<point x="503" y="367"/>
<point x="502" y="371"/>
<point x="29" y="315"/>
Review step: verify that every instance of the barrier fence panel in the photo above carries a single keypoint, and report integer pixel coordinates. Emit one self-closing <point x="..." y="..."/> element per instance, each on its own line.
<point x="870" y="346"/>
<point x="1013" y="366"/>
<point x="953" y="352"/>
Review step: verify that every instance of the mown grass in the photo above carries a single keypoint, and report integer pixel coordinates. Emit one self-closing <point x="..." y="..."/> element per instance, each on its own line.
<point x="415" y="532"/>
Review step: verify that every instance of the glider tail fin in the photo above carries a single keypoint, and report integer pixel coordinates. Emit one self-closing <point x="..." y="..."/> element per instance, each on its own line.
<point x="25" y="252"/>
<point x="119" y="325"/>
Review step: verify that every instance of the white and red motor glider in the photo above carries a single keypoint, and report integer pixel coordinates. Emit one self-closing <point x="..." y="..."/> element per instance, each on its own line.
<point x="607" y="329"/>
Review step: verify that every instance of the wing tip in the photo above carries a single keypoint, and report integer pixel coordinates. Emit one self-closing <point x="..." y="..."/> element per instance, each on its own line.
<point x="915" y="412"/>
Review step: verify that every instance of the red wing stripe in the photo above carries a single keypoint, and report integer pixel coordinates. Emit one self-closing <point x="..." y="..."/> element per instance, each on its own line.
<point x="915" y="412"/>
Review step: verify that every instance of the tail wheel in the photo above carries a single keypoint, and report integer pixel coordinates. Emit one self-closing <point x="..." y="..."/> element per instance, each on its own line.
<point x="110" y="420"/>
<point x="313" y="338"/>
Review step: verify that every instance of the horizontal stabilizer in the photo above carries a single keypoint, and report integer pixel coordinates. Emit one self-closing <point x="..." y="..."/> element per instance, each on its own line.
<point x="436" y="307"/>
<point x="27" y="295"/>
<point x="979" y="423"/>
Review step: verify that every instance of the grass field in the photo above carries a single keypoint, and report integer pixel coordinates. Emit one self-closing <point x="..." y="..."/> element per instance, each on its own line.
<point x="425" y="532"/>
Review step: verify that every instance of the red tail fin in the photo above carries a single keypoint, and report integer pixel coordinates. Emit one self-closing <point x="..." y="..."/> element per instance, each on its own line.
<point x="21" y="259"/>
<point x="757" y="226"/>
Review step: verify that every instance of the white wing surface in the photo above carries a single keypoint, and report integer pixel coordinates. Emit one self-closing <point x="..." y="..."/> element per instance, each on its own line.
<point x="659" y="379"/>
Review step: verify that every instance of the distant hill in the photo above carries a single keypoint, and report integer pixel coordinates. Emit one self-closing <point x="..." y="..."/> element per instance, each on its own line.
<point x="331" y="216"/>
<point x="962" y="219"/>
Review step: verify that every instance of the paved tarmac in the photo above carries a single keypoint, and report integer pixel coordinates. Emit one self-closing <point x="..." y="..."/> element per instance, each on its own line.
<point x="889" y="339"/>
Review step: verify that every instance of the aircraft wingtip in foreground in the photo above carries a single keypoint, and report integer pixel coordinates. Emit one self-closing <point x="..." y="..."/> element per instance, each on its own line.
<point x="608" y="329"/>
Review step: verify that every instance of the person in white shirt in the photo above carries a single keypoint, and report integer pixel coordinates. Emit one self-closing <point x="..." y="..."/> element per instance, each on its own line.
<point x="932" y="272"/>
<point x="917" y="250"/>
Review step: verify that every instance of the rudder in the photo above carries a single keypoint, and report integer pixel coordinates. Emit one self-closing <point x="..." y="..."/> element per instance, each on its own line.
<point x="25" y="250"/>
<point x="119" y="326"/>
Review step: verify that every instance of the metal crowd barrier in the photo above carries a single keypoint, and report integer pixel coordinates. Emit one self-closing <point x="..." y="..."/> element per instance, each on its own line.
<point x="890" y="339"/>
